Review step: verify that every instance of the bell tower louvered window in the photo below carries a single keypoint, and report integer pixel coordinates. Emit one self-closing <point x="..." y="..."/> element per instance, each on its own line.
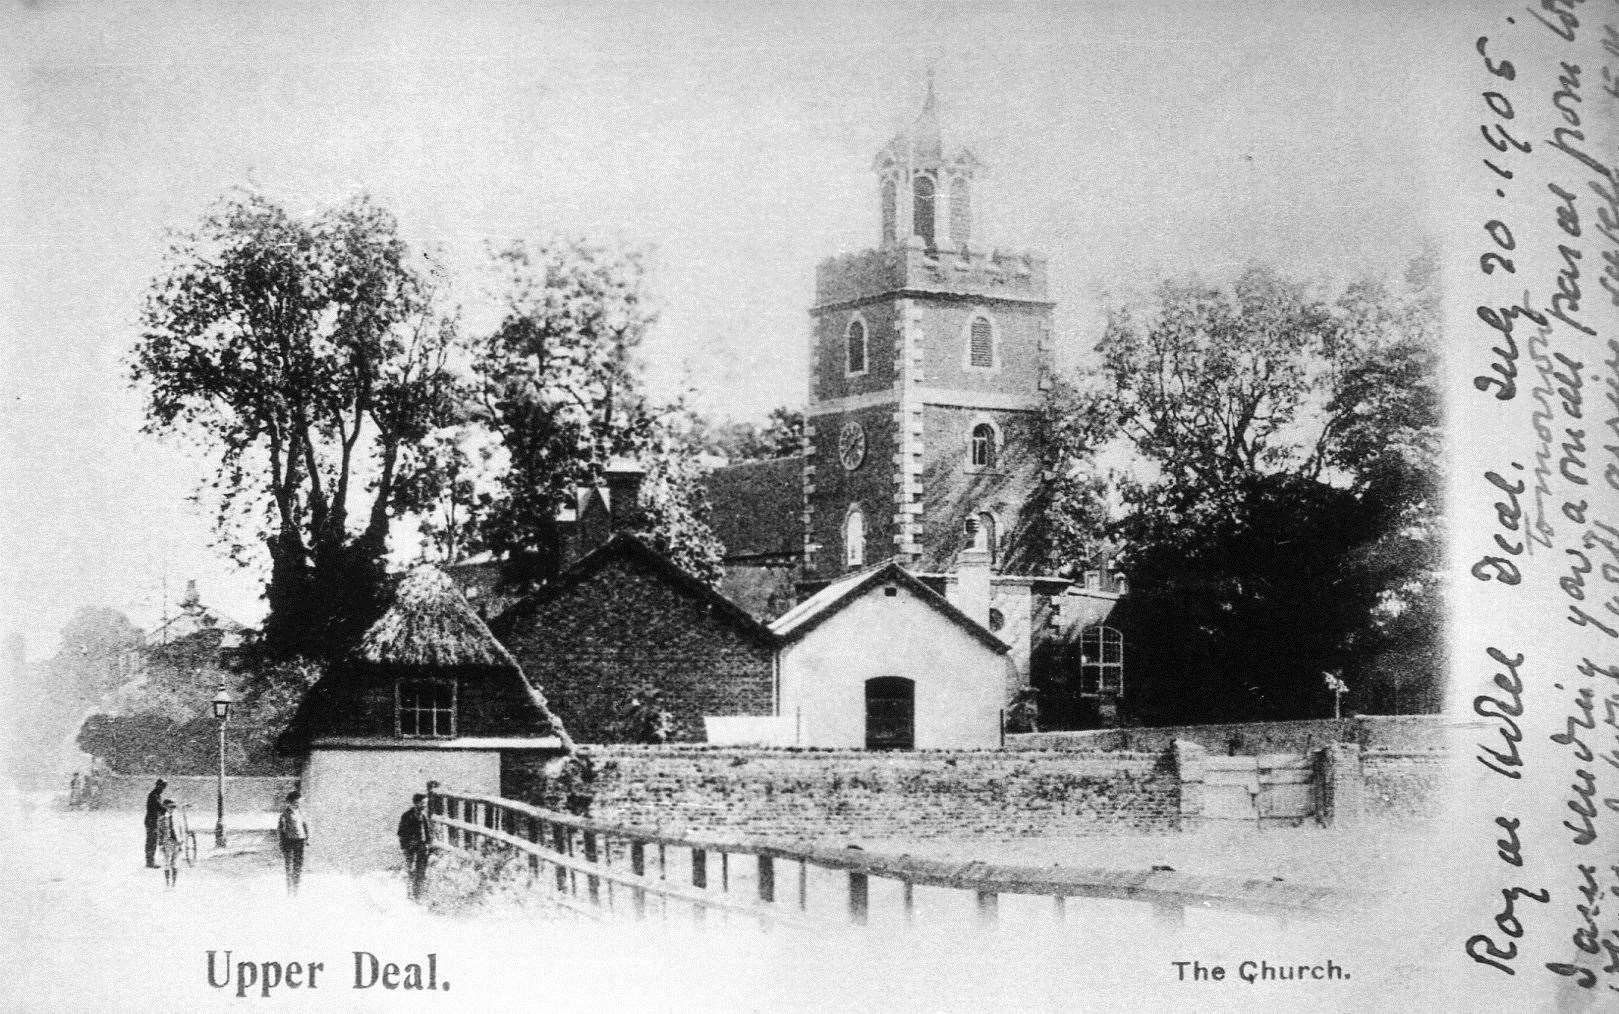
<point x="890" y="211"/>
<point x="922" y="216"/>
<point x="856" y="342"/>
<point x="982" y="352"/>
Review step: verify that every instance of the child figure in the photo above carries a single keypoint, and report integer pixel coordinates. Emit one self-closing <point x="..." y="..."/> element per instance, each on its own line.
<point x="168" y="842"/>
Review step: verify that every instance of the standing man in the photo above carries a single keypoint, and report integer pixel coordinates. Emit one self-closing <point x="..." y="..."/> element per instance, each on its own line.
<point x="294" y="830"/>
<point x="154" y="811"/>
<point x="415" y="836"/>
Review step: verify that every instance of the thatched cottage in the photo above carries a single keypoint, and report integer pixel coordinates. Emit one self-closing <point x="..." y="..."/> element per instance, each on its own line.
<point x="428" y="694"/>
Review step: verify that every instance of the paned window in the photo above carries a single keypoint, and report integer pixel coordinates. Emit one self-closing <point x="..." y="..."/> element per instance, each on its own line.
<point x="983" y="446"/>
<point x="1101" y="662"/>
<point x="982" y="344"/>
<point x="856" y="341"/>
<point x="425" y="708"/>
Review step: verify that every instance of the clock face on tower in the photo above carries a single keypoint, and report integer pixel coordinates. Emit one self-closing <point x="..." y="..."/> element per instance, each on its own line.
<point x="852" y="445"/>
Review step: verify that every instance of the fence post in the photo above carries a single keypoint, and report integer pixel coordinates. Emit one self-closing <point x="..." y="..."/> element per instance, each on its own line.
<point x="592" y="882"/>
<point x="988" y="907"/>
<point x="699" y="877"/>
<point x="638" y="867"/>
<point x="859" y="902"/>
<point x="909" y="899"/>
<point x="767" y="879"/>
<point x="559" y="845"/>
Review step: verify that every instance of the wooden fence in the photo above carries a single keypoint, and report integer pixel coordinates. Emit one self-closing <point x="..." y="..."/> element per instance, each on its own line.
<point x="596" y="869"/>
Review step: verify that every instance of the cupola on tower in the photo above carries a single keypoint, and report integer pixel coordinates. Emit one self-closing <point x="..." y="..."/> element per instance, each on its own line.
<point x="928" y="357"/>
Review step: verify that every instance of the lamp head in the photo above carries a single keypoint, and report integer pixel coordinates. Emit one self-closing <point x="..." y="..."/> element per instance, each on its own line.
<point x="222" y="702"/>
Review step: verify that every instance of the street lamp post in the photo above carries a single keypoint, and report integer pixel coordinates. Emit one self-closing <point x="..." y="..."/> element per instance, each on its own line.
<point x="222" y="703"/>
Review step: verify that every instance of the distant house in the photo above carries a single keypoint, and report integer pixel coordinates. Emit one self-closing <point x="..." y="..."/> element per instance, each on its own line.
<point x="756" y="510"/>
<point x="879" y="660"/>
<point x="625" y="619"/>
<point x="428" y="694"/>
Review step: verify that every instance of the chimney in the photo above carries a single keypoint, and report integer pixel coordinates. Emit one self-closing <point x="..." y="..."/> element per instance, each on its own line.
<point x="969" y="592"/>
<point x="624" y="493"/>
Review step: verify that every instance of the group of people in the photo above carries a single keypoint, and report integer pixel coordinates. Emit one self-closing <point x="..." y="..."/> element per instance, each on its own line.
<point x="292" y="832"/>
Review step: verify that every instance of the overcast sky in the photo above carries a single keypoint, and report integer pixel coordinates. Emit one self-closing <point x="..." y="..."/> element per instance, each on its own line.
<point x="1125" y="141"/>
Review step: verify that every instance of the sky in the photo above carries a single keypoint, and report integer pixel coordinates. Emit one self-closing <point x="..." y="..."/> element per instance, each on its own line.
<point x="735" y="142"/>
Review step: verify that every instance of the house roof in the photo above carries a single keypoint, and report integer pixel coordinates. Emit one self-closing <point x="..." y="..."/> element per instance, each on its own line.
<point x="827" y="602"/>
<point x="626" y="546"/>
<point x="430" y="623"/>
<point x="757" y="508"/>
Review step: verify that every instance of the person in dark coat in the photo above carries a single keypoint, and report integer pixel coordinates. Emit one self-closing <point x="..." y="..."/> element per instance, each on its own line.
<point x="154" y="812"/>
<point x="293" y="829"/>
<point x="415" y="837"/>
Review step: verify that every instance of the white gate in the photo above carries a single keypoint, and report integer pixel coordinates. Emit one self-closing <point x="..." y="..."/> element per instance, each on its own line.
<point x="1273" y="790"/>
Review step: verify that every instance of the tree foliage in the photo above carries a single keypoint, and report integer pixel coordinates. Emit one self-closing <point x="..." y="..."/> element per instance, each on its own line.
<point x="1280" y="518"/>
<point x="310" y="359"/>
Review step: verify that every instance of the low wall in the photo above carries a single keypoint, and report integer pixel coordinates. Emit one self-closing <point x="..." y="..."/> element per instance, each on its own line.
<point x="809" y="795"/>
<point x="1402" y="786"/>
<point x="128" y="792"/>
<point x="1373" y="732"/>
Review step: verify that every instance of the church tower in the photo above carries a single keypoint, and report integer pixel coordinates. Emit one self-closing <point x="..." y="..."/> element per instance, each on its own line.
<point x="928" y="357"/>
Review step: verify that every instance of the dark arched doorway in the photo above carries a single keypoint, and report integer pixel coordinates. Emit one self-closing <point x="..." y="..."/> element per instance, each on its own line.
<point x="890" y="713"/>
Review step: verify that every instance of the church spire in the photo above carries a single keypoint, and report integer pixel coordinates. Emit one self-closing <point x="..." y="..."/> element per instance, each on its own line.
<point x="922" y="193"/>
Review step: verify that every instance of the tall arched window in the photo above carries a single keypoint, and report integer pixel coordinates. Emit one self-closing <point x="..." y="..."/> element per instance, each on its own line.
<point x="984" y="535"/>
<point x="855" y="343"/>
<point x="1101" y="662"/>
<point x="983" y="451"/>
<point x="890" y="210"/>
<point x="854" y="537"/>
<point x="981" y="343"/>
<point x="922" y="214"/>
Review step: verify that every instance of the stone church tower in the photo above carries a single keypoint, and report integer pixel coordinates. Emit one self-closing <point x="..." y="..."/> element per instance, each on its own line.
<point x="929" y="354"/>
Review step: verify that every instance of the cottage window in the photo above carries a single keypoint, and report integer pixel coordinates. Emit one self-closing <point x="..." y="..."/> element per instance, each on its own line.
<point x="425" y="708"/>
<point x="983" y="449"/>
<point x="922" y="215"/>
<point x="855" y="342"/>
<point x="1101" y="662"/>
<point x="854" y="537"/>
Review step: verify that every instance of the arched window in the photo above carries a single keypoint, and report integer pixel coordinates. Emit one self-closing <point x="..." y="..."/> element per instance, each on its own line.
<point x="981" y="343"/>
<point x="855" y="345"/>
<point x="1101" y="662"/>
<point x="854" y="537"/>
<point x="890" y="210"/>
<point x="961" y="210"/>
<point x="984" y="535"/>
<point x="984" y="451"/>
<point x="922" y="214"/>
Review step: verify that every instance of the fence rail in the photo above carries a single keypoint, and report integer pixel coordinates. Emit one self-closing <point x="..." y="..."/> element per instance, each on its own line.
<point x="597" y="868"/>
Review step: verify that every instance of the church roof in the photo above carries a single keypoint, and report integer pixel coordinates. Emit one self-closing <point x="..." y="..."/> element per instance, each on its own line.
<point x="757" y="508"/>
<point x="827" y="602"/>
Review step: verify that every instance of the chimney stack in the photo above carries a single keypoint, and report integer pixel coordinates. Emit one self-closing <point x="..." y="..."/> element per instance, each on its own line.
<point x="624" y="493"/>
<point x="969" y="592"/>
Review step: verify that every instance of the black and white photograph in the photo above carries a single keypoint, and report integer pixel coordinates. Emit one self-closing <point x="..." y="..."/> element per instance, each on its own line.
<point x="902" y="506"/>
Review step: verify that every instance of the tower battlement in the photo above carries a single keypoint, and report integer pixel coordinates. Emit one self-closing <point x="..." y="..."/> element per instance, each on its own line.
<point x="972" y="271"/>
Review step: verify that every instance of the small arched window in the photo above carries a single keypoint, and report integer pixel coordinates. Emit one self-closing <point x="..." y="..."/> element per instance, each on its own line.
<point x="981" y="343"/>
<point x="855" y="345"/>
<point x="890" y="210"/>
<point x="854" y="537"/>
<point x="984" y="451"/>
<point x="1101" y="662"/>
<point x="922" y="216"/>
<point x="984" y="535"/>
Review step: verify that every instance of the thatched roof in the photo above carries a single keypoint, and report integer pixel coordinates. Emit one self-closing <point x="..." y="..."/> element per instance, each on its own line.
<point x="431" y="624"/>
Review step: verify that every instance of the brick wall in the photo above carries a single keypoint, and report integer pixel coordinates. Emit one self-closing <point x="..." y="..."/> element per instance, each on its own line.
<point x="1402" y="786"/>
<point x="1373" y="732"/>
<point x="810" y="795"/>
<point x="626" y="626"/>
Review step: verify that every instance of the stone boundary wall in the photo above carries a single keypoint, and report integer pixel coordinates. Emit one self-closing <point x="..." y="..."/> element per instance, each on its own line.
<point x="242" y="793"/>
<point x="1371" y="732"/>
<point x="1403" y="786"/>
<point x="835" y="795"/>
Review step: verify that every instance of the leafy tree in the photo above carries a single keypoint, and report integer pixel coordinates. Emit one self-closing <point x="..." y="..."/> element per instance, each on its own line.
<point x="674" y="515"/>
<point x="1281" y="516"/>
<point x="555" y="383"/>
<point x="310" y="359"/>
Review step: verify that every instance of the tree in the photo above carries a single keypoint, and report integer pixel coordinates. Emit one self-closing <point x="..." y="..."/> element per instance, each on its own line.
<point x="311" y="360"/>
<point x="673" y="515"/>
<point x="1281" y="517"/>
<point x="555" y="382"/>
